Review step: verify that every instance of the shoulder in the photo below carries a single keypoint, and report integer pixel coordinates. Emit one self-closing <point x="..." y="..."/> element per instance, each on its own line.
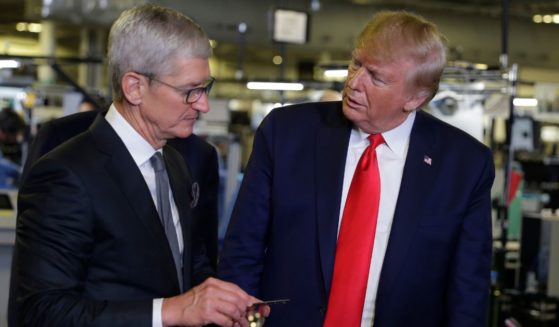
<point x="307" y="115"/>
<point x="198" y="154"/>
<point x="309" y="109"/>
<point x="450" y="137"/>
<point x="71" y="125"/>
<point x="88" y="146"/>
<point x="82" y="118"/>
<point x="193" y="143"/>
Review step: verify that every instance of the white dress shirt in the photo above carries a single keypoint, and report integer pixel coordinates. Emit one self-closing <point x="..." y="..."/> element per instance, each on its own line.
<point x="141" y="151"/>
<point x="391" y="157"/>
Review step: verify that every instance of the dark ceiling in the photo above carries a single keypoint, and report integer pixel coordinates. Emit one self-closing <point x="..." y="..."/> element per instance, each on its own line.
<point x="332" y="29"/>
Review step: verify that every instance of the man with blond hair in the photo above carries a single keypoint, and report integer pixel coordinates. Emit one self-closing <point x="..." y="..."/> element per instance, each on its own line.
<point x="367" y="211"/>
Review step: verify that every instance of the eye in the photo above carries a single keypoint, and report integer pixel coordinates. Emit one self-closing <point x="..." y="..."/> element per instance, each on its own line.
<point x="378" y="80"/>
<point x="355" y="64"/>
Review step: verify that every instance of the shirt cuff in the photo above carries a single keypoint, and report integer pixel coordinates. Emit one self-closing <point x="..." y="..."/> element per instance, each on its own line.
<point x="156" y="320"/>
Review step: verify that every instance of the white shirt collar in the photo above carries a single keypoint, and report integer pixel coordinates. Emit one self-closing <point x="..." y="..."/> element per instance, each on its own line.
<point x="139" y="148"/>
<point x="397" y="139"/>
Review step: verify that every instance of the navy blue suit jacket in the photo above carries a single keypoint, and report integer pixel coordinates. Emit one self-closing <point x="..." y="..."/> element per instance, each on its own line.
<point x="282" y="236"/>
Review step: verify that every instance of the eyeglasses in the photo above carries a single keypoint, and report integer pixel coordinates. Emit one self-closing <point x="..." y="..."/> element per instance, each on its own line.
<point x="190" y="96"/>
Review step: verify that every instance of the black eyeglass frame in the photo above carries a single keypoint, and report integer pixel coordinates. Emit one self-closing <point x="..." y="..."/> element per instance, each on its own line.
<point x="187" y="94"/>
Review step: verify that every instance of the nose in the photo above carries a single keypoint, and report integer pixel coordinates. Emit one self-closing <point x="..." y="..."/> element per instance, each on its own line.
<point x="354" y="78"/>
<point x="202" y="104"/>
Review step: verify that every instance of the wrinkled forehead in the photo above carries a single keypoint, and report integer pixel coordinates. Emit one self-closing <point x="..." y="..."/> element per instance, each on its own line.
<point x="378" y="55"/>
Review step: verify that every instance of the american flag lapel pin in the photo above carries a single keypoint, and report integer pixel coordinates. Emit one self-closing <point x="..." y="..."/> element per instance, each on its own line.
<point x="427" y="160"/>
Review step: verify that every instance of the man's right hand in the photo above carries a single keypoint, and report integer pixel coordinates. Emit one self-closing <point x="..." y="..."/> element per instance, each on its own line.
<point x="212" y="302"/>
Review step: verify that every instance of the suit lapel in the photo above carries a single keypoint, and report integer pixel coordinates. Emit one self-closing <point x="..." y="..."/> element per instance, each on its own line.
<point x="126" y="176"/>
<point x="180" y="182"/>
<point x="331" y="149"/>
<point x="419" y="170"/>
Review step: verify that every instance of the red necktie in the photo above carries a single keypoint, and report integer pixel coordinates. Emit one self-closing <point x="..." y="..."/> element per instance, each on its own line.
<point x="355" y="242"/>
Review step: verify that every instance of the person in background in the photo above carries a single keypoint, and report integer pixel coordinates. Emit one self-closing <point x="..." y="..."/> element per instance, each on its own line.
<point x="12" y="127"/>
<point x="367" y="211"/>
<point x="87" y="105"/>
<point x="330" y="95"/>
<point x="104" y="232"/>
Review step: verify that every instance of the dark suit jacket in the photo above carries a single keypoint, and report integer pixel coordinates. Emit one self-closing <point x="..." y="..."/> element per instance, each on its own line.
<point x="90" y="249"/>
<point x="281" y="239"/>
<point x="200" y="157"/>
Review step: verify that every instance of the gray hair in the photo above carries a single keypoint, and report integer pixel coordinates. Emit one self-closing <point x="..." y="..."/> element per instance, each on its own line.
<point x="148" y="38"/>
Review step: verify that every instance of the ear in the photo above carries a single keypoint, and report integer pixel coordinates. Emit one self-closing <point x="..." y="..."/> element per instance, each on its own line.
<point x="133" y="87"/>
<point x="417" y="100"/>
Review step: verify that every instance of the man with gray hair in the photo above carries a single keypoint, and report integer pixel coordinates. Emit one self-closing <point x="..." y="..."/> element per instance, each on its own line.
<point x="104" y="231"/>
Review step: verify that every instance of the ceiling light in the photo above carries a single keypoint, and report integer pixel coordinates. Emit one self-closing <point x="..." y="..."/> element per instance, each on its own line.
<point x="315" y="5"/>
<point x="525" y="102"/>
<point x="275" y="86"/>
<point x="335" y="73"/>
<point x="537" y="19"/>
<point x="34" y="28"/>
<point x="481" y="66"/>
<point x="277" y="60"/>
<point x="21" y="27"/>
<point x="9" y="64"/>
<point x="547" y="19"/>
<point x="28" y="27"/>
<point x="556" y="19"/>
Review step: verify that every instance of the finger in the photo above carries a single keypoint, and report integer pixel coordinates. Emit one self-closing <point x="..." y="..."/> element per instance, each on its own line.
<point x="265" y="310"/>
<point x="230" y="309"/>
<point x="227" y="286"/>
<point x="221" y="320"/>
<point x="254" y="300"/>
<point x="213" y="289"/>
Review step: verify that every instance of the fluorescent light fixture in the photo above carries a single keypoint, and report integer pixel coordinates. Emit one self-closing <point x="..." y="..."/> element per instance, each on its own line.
<point x="481" y="66"/>
<point x="29" y="27"/>
<point x="277" y="60"/>
<point x="34" y="27"/>
<point x="275" y="86"/>
<point x="9" y="64"/>
<point x="335" y="73"/>
<point x="21" y="27"/>
<point x="537" y="19"/>
<point x="525" y="102"/>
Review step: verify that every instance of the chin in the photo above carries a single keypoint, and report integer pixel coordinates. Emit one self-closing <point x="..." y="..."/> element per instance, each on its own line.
<point x="183" y="133"/>
<point x="352" y="113"/>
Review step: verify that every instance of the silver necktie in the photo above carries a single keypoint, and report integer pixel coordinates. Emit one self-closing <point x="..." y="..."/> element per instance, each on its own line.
<point x="164" y="208"/>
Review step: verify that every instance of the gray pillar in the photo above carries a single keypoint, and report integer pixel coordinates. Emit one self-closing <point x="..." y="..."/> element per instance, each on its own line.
<point x="90" y="75"/>
<point x="47" y="44"/>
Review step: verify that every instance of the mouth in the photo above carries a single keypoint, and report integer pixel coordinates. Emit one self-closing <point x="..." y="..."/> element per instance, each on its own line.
<point x="352" y="102"/>
<point x="193" y="117"/>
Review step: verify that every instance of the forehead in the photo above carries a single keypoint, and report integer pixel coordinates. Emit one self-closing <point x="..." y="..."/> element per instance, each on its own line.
<point x="390" y="67"/>
<point x="189" y="63"/>
<point x="190" y="69"/>
<point x="370" y="58"/>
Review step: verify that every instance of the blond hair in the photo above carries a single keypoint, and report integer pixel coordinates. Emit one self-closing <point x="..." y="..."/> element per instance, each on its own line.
<point x="393" y="35"/>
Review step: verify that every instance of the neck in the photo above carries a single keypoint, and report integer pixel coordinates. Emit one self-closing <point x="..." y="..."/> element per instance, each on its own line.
<point x="132" y="114"/>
